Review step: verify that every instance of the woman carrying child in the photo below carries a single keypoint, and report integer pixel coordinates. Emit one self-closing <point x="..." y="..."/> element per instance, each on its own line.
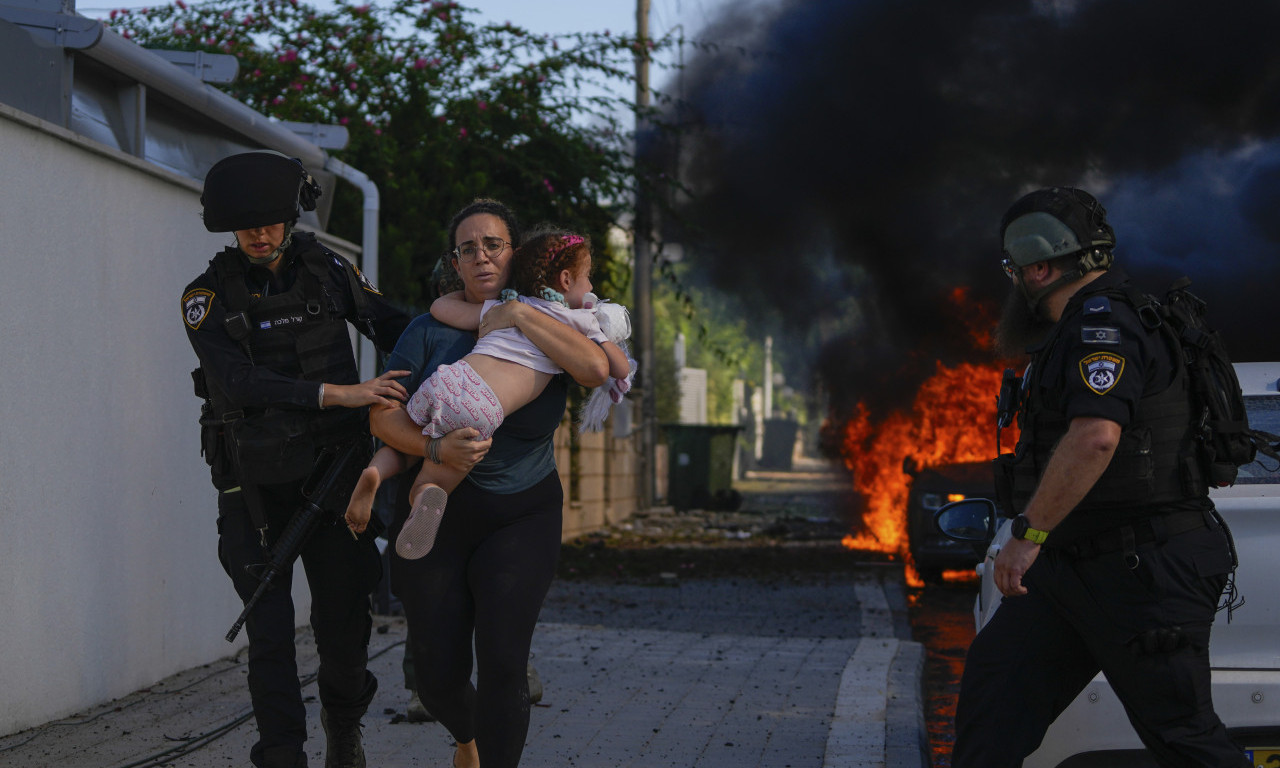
<point x="494" y="556"/>
<point x="501" y="374"/>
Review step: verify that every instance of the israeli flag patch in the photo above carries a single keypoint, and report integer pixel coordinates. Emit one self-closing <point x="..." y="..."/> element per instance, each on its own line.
<point x="1099" y="335"/>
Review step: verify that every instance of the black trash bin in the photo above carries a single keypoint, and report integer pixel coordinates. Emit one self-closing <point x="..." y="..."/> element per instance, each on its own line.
<point x="779" y="443"/>
<point x="700" y="466"/>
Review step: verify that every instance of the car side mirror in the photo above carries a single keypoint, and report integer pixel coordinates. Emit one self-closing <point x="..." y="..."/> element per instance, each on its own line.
<point x="968" y="520"/>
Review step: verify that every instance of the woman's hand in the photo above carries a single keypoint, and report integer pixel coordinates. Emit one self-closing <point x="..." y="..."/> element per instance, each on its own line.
<point x="504" y="315"/>
<point x="383" y="390"/>
<point x="568" y="348"/>
<point x="461" y="450"/>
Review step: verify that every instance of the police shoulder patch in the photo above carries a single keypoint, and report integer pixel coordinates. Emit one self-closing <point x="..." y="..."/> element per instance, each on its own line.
<point x="1101" y="371"/>
<point x="1096" y="306"/>
<point x="364" y="282"/>
<point x="1094" y="334"/>
<point x="195" y="307"/>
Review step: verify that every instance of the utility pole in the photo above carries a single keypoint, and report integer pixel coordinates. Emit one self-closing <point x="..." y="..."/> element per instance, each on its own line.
<point x="643" y="272"/>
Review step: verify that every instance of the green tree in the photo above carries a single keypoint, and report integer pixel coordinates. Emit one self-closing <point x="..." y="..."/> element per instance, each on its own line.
<point x="716" y="339"/>
<point x="440" y="110"/>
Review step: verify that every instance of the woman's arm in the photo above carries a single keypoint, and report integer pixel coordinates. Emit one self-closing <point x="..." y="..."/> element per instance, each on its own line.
<point x="452" y="309"/>
<point x="459" y="448"/>
<point x="579" y="356"/>
<point x="619" y="365"/>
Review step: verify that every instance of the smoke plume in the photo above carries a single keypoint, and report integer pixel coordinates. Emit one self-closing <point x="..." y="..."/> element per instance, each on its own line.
<point x="887" y="137"/>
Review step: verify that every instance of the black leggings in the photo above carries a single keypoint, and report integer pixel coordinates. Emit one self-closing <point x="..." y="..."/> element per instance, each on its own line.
<point x="487" y="576"/>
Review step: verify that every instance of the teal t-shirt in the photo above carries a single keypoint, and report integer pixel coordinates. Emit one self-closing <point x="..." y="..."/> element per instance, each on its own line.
<point x="522" y="453"/>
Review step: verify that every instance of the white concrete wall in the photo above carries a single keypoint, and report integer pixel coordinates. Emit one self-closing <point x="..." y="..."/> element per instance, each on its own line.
<point x="109" y="579"/>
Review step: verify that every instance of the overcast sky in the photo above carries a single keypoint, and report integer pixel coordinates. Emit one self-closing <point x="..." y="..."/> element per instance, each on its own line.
<point x="553" y="16"/>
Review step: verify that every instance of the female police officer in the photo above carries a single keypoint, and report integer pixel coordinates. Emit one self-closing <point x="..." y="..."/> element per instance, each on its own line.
<point x="268" y="321"/>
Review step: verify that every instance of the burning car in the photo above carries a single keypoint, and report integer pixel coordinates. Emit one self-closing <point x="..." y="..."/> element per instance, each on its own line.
<point x="932" y="552"/>
<point x="1093" y="730"/>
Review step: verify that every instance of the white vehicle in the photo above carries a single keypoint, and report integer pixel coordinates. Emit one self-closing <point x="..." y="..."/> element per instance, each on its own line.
<point x="1244" y="653"/>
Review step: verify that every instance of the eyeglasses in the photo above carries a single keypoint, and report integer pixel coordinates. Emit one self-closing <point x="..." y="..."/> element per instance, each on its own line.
<point x="1010" y="268"/>
<point x="467" y="252"/>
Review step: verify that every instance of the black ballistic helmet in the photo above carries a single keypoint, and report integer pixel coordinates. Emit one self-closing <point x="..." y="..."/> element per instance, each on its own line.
<point x="256" y="189"/>
<point x="1054" y="222"/>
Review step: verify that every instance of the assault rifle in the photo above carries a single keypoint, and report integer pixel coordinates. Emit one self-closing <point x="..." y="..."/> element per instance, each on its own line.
<point x="331" y="467"/>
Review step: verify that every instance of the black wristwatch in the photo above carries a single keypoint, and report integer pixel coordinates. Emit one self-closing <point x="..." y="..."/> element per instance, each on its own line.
<point x="1021" y="529"/>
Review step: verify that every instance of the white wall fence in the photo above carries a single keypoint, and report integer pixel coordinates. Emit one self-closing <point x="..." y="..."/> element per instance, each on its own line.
<point x="109" y="579"/>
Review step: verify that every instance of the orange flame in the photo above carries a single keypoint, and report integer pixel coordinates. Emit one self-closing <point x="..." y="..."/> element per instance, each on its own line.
<point x="951" y="420"/>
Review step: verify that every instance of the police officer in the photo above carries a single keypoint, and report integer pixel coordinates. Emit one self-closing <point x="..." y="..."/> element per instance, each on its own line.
<point x="1118" y="558"/>
<point x="268" y="321"/>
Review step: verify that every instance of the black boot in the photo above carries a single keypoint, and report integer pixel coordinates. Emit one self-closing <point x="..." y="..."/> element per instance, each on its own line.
<point x="343" y="747"/>
<point x="282" y="757"/>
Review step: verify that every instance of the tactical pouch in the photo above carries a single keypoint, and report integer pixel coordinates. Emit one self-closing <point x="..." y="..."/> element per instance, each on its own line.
<point x="213" y="447"/>
<point x="273" y="447"/>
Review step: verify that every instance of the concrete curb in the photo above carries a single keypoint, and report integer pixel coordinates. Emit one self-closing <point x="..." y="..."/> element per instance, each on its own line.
<point x="906" y="733"/>
<point x="879" y="716"/>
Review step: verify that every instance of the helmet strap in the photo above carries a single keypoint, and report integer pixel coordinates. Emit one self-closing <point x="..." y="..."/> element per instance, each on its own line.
<point x="263" y="261"/>
<point x="1034" y="300"/>
<point x="1090" y="259"/>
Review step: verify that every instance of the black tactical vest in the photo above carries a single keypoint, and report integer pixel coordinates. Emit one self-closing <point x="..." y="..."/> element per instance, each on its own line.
<point x="300" y="333"/>
<point x="1155" y="460"/>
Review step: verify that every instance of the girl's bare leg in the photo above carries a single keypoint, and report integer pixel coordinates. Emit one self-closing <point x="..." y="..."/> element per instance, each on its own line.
<point x="385" y="463"/>
<point x="429" y="495"/>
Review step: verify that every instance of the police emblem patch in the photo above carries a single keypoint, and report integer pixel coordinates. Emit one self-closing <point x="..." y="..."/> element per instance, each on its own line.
<point x="195" y="307"/>
<point x="364" y="281"/>
<point x="1101" y="371"/>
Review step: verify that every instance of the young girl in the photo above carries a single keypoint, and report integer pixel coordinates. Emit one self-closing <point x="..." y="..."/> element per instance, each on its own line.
<point x="502" y="373"/>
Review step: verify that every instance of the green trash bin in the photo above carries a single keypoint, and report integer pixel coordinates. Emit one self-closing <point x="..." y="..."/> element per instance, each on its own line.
<point x="700" y="465"/>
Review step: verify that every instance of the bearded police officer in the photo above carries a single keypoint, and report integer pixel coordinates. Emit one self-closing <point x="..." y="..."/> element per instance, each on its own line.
<point x="1118" y="558"/>
<point x="268" y="321"/>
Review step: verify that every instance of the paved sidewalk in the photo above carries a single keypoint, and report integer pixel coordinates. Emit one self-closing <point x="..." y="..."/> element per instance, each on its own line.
<point x="739" y="694"/>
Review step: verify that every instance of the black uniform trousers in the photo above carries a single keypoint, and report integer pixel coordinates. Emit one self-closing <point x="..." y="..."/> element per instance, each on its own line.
<point x="1084" y="615"/>
<point x="483" y="581"/>
<point x="341" y="573"/>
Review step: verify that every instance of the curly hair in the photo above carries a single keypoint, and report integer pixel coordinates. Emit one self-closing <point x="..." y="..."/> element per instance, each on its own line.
<point x="543" y="256"/>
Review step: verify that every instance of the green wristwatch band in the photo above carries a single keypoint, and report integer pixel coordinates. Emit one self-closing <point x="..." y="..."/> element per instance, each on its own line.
<point x="1022" y="530"/>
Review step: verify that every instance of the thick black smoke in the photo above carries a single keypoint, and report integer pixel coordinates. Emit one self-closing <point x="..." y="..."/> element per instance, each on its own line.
<point x="891" y="135"/>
